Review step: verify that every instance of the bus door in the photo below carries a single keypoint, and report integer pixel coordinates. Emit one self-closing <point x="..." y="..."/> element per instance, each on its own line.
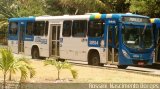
<point x="157" y="42"/>
<point x="21" y="37"/>
<point x="112" y="43"/>
<point x="55" y="34"/>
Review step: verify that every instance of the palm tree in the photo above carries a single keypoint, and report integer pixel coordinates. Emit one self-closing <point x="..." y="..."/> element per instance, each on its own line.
<point x="61" y="65"/>
<point x="9" y="64"/>
<point x="22" y="65"/>
<point x="6" y="61"/>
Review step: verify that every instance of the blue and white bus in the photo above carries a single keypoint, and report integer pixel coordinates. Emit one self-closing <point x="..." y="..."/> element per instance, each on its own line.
<point x="156" y="33"/>
<point x="121" y="39"/>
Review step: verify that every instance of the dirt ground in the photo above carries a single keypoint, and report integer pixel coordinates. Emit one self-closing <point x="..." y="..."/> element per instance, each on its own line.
<point x="48" y="74"/>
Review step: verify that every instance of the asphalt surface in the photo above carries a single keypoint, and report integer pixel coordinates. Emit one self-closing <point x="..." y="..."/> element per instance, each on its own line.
<point x="153" y="70"/>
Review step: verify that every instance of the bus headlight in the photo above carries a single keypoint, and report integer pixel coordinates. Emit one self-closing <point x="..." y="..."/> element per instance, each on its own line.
<point x="102" y="43"/>
<point x="125" y="53"/>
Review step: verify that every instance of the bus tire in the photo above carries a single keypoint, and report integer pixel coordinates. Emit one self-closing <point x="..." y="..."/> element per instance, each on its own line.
<point x="35" y="53"/>
<point x="95" y="59"/>
<point x="122" y="66"/>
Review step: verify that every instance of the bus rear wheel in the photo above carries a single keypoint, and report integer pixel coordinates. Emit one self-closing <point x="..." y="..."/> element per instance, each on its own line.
<point x="122" y="66"/>
<point x="95" y="59"/>
<point x="35" y="53"/>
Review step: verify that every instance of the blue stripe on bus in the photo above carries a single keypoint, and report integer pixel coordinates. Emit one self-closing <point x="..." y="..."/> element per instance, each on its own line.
<point x="103" y="16"/>
<point x="29" y="38"/>
<point x="115" y="16"/>
<point x="94" y="42"/>
<point x="157" y="21"/>
<point x="22" y="19"/>
<point x="13" y="37"/>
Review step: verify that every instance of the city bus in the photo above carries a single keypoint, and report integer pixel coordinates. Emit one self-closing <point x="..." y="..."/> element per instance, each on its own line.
<point x="156" y="33"/>
<point x="120" y="39"/>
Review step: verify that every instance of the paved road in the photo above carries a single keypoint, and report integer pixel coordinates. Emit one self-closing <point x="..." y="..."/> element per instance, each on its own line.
<point x="142" y="70"/>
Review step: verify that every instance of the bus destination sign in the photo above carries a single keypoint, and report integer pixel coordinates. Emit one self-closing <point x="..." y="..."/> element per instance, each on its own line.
<point x="135" y="19"/>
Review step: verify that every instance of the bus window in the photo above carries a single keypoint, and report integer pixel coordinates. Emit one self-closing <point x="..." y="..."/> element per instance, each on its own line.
<point x="29" y="30"/>
<point x="116" y="36"/>
<point x="39" y="28"/>
<point x="159" y="34"/>
<point x="95" y="28"/>
<point x="79" y="28"/>
<point x="13" y="28"/>
<point x="67" y="28"/>
<point x="110" y="34"/>
<point x="46" y="28"/>
<point x="113" y="35"/>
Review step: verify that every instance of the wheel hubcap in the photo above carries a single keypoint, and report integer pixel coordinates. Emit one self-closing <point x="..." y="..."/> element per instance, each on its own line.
<point x="95" y="61"/>
<point x="35" y="54"/>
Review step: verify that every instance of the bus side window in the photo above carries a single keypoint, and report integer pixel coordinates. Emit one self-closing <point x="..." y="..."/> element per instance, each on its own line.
<point x="39" y="28"/>
<point x="13" y="28"/>
<point x="79" y="28"/>
<point x="29" y="30"/>
<point x="116" y="36"/>
<point x="67" y="28"/>
<point x="46" y="28"/>
<point x="159" y="35"/>
<point x="95" y="28"/>
<point x="110" y="34"/>
<point x="113" y="35"/>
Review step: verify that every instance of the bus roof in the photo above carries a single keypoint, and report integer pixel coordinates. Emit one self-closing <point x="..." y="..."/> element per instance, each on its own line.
<point x="156" y="21"/>
<point x="114" y="16"/>
<point x="22" y="19"/>
<point x="76" y="17"/>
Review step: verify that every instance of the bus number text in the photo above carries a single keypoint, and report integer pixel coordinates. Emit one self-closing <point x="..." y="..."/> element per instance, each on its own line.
<point x="93" y="42"/>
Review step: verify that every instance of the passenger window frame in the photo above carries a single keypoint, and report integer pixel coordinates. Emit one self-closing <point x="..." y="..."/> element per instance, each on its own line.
<point x="67" y="30"/>
<point x="80" y="30"/>
<point x="11" y="33"/>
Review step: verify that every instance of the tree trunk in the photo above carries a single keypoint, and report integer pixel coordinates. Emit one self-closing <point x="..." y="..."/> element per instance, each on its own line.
<point x="4" y="81"/>
<point x="58" y="74"/>
<point x="76" y="12"/>
<point x="10" y="76"/>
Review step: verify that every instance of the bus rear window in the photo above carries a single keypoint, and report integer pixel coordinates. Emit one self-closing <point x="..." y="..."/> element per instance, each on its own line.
<point x="13" y="28"/>
<point x="95" y="28"/>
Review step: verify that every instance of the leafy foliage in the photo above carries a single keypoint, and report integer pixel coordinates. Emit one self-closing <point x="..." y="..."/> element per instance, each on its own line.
<point x="9" y="64"/>
<point x="74" y="6"/>
<point x="116" y="6"/>
<point x="145" y="7"/>
<point x="19" y="8"/>
<point x="22" y="65"/>
<point x="61" y="65"/>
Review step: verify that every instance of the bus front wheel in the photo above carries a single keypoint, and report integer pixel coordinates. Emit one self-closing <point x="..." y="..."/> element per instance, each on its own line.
<point x="122" y="66"/>
<point x="35" y="53"/>
<point x="95" y="59"/>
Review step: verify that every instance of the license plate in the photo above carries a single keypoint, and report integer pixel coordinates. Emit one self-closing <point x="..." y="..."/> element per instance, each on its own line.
<point x="140" y="63"/>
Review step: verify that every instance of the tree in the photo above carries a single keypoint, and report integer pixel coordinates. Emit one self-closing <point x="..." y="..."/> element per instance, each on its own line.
<point x="146" y="7"/>
<point x="116" y="6"/>
<point x="22" y="65"/>
<point x="61" y="65"/>
<point x="19" y="8"/>
<point x="60" y="7"/>
<point x="5" y="63"/>
<point x="9" y="64"/>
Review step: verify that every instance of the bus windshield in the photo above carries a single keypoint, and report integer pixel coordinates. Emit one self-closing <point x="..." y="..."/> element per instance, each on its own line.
<point x="136" y="37"/>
